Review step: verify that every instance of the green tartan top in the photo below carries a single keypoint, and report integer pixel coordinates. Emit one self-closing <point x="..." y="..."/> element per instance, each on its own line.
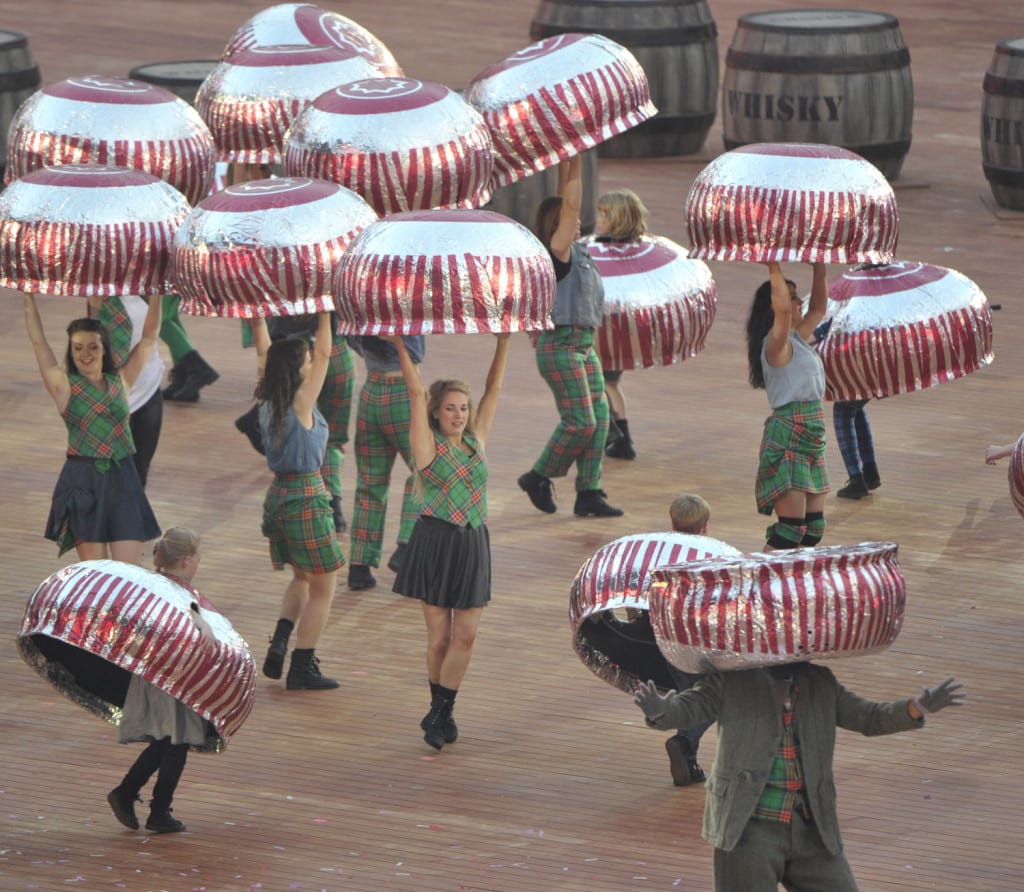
<point x="97" y="420"/>
<point x="781" y="795"/>
<point x="113" y="316"/>
<point x="455" y="484"/>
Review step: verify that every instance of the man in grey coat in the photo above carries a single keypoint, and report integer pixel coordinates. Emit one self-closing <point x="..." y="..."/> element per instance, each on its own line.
<point x="770" y="811"/>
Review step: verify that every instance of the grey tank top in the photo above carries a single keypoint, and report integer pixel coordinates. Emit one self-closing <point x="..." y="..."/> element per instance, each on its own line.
<point x="579" y="297"/>
<point x="801" y="380"/>
<point x="301" y="451"/>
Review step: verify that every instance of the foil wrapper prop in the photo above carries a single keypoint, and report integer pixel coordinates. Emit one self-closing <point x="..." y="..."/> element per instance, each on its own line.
<point x="778" y="607"/>
<point x="1015" y="472"/>
<point x="903" y="327"/>
<point x="92" y="625"/>
<point x="306" y="23"/>
<point x="438" y="272"/>
<point x="116" y="121"/>
<point x="624" y="652"/>
<point x="792" y="202"/>
<point x="658" y="305"/>
<point x="557" y="98"/>
<point x="86" y="230"/>
<point x="266" y="247"/>
<point x="250" y="100"/>
<point x="403" y="144"/>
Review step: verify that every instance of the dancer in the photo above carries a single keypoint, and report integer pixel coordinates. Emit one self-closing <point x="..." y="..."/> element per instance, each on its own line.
<point x="448" y="562"/>
<point x="567" y="360"/>
<point x="99" y="507"/>
<point x="382" y="434"/>
<point x="123" y="318"/>
<point x="791" y="479"/>
<point x="621" y="218"/>
<point x="770" y="810"/>
<point x="152" y="716"/>
<point x="297" y="515"/>
<point x="856" y="444"/>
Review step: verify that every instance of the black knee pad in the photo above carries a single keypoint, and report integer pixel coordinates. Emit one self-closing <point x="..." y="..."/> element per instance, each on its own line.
<point x="787" y="533"/>
<point x="814" y="522"/>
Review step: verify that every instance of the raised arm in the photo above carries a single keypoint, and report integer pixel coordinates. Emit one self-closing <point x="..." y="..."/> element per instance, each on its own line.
<point x="570" y="188"/>
<point x="55" y="379"/>
<point x="817" y="304"/>
<point x="777" y="349"/>
<point x="143" y="350"/>
<point x="309" y="392"/>
<point x="421" y="437"/>
<point x="492" y="388"/>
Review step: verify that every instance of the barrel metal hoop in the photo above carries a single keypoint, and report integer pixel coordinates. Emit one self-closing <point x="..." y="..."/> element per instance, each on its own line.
<point x="1003" y="176"/>
<point x="882" y="151"/>
<point x="1004" y="86"/>
<point x="672" y="124"/>
<point x="867" y="64"/>
<point x="19" y="79"/>
<point x="12" y="40"/>
<point x="640" y="38"/>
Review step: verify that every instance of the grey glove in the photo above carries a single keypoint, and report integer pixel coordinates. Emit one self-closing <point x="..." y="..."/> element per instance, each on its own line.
<point x="947" y="693"/>
<point x="650" y="701"/>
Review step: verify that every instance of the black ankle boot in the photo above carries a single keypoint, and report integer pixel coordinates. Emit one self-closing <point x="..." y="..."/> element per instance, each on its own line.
<point x="123" y="805"/>
<point x="273" y="664"/>
<point x="592" y="503"/>
<point x="871" y="478"/>
<point x="540" y="489"/>
<point x="162" y="821"/>
<point x="449" y="730"/>
<point x="193" y="374"/>
<point x="433" y="723"/>
<point x="622" y="446"/>
<point x="855" y="488"/>
<point x="360" y="577"/>
<point x="304" y="673"/>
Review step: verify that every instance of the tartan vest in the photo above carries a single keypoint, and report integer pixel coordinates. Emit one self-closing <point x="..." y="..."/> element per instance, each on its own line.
<point x="97" y="420"/>
<point x="455" y="484"/>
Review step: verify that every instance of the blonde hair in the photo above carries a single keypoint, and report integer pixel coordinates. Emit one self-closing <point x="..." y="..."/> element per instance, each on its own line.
<point x="625" y="214"/>
<point x="173" y="546"/>
<point x="435" y="396"/>
<point x="689" y="513"/>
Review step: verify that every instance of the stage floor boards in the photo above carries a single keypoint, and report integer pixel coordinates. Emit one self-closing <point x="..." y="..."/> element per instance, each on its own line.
<point x="555" y="783"/>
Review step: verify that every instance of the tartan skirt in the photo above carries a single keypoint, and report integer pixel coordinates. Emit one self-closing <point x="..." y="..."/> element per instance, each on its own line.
<point x="792" y="453"/>
<point x="446" y="565"/>
<point x="299" y="522"/>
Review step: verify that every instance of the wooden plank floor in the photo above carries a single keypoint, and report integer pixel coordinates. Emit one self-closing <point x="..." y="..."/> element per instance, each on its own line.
<point x="555" y="783"/>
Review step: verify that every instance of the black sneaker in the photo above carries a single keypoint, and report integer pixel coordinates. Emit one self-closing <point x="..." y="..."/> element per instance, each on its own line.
<point x="360" y="578"/>
<point x="592" y="503"/>
<point x="540" y="490"/>
<point x="164" y="822"/>
<point x="123" y="806"/>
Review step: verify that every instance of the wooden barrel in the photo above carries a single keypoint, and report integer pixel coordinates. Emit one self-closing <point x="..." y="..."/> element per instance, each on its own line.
<point x="519" y="200"/>
<point x="19" y="79"/>
<point x="1002" y="124"/>
<point x="840" y="77"/>
<point x="676" y="43"/>
<point x="183" y="79"/>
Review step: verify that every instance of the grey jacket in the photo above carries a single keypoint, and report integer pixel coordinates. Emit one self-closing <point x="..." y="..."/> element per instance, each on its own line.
<point x="748" y="706"/>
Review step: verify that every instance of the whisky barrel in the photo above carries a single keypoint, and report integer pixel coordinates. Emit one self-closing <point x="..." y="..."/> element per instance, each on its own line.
<point x="676" y="43"/>
<point x="19" y="79"/>
<point x="1002" y="124"/>
<point x="182" y="78"/>
<point x="837" y="77"/>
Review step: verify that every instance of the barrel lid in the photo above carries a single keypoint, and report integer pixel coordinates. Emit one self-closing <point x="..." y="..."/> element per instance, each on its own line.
<point x="12" y="40"/>
<point x="1012" y="47"/>
<point x="189" y="71"/>
<point x="818" y="20"/>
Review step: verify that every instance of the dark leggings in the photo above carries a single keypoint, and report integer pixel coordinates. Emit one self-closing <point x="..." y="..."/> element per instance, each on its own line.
<point x="165" y="759"/>
<point x="145" y="423"/>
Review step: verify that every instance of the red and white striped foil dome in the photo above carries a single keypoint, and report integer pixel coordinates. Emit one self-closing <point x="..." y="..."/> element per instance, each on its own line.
<point x="87" y="230"/>
<point x="778" y="607"/>
<point x="439" y="272"/>
<point x="792" y="202"/>
<point x="306" y="23"/>
<point x="90" y="626"/>
<point x="1015" y="472"/>
<point x="266" y="247"/>
<point x="624" y="652"/>
<point x="557" y="98"/>
<point x="403" y="144"/>
<point x="903" y="327"/>
<point x="250" y="100"/>
<point x="112" y="120"/>
<point x="658" y="305"/>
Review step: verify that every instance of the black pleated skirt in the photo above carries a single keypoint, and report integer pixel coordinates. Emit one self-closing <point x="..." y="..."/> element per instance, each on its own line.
<point x="446" y="565"/>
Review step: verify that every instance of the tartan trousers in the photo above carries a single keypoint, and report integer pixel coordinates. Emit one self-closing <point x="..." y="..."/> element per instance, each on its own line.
<point x="335" y="403"/>
<point x="853" y="434"/>
<point x="567" y="360"/>
<point x="382" y="433"/>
